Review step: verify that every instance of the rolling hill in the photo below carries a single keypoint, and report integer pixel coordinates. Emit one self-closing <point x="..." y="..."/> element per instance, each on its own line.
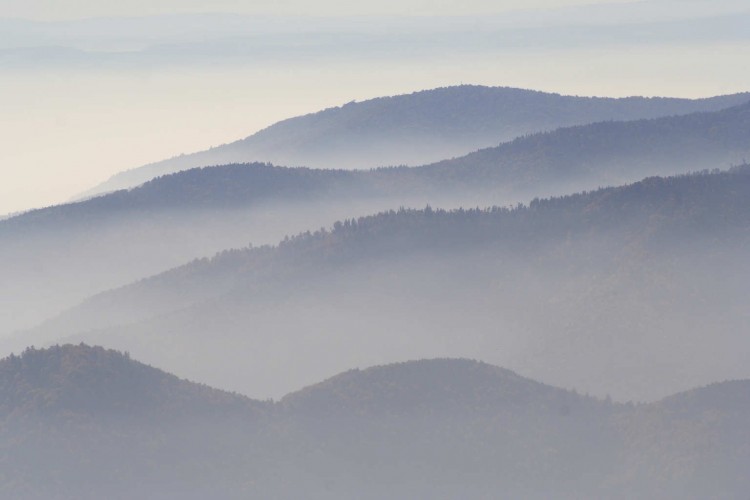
<point x="84" y="422"/>
<point x="431" y="428"/>
<point x="417" y="128"/>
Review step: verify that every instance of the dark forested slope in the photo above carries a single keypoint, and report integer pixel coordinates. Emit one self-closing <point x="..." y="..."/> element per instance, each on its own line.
<point x="83" y="422"/>
<point x="418" y="128"/>
<point x="91" y="381"/>
<point x="79" y="422"/>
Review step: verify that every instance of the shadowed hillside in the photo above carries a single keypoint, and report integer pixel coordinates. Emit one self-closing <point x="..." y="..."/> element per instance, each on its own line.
<point x="95" y="382"/>
<point x="433" y="428"/>
<point x="82" y="422"/>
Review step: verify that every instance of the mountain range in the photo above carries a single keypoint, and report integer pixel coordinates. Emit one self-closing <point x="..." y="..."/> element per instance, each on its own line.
<point x="637" y="291"/>
<point x="417" y="128"/>
<point x="597" y="246"/>
<point x="462" y="292"/>
<point x="107" y="241"/>
<point x="84" y="422"/>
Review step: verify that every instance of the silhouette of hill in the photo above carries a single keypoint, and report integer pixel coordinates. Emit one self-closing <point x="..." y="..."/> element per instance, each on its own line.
<point x="417" y="128"/>
<point x="80" y="422"/>
<point x="83" y="422"/>
<point x="427" y="386"/>
<point x="92" y="381"/>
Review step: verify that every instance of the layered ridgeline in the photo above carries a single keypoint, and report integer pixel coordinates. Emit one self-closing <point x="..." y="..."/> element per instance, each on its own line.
<point x="636" y="291"/>
<point x="417" y="128"/>
<point x="57" y="256"/>
<point x="79" y="422"/>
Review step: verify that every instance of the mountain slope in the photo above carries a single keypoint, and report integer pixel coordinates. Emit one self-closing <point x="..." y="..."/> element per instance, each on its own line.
<point x="678" y="445"/>
<point x="107" y="241"/>
<point x="629" y="280"/>
<point x="452" y="424"/>
<point x="454" y="385"/>
<point x="437" y="428"/>
<point x="594" y="154"/>
<point x="84" y="422"/>
<point x="417" y="128"/>
<point x="91" y="381"/>
<point x="608" y="153"/>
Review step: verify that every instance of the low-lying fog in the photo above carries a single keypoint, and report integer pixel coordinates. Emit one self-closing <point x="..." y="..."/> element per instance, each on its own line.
<point x="46" y="270"/>
<point x="632" y="331"/>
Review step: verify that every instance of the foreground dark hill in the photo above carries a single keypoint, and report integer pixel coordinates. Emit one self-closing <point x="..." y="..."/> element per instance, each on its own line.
<point x="445" y="389"/>
<point x="423" y="429"/>
<point x="418" y="128"/>
<point x="454" y="423"/>
<point x="611" y="291"/>
<point x="690" y="445"/>
<point x="57" y="256"/>
<point x="83" y="422"/>
<point x="59" y="381"/>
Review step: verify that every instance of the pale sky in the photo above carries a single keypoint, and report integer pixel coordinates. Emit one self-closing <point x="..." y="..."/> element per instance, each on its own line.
<point x="76" y="9"/>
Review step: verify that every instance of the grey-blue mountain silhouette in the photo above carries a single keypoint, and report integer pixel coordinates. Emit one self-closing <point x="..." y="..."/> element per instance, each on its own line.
<point x="87" y="423"/>
<point x="417" y="128"/>
<point x="108" y="241"/>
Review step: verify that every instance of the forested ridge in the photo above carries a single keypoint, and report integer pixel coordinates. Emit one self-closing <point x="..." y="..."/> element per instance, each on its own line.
<point x="427" y="428"/>
<point x="701" y="201"/>
<point x="59" y="381"/>
<point x="418" y="128"/>
<point x="595" y="154"/>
